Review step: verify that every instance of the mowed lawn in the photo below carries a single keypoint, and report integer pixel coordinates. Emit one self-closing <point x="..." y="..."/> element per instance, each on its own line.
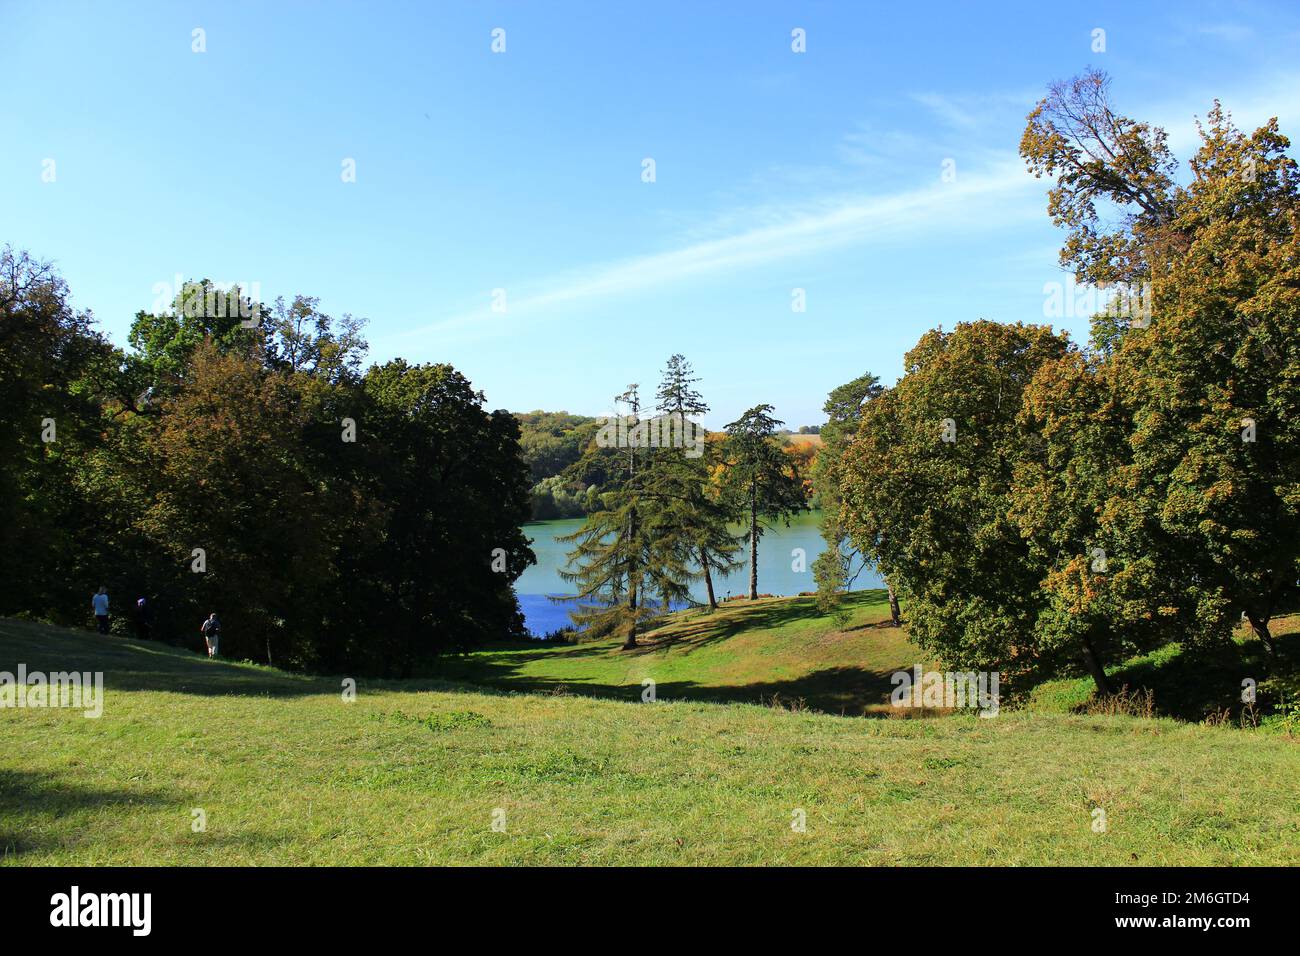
<point x="286" y="772"/>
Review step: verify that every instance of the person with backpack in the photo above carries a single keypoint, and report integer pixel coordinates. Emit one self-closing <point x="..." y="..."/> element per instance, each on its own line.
<point x="99" y="602"/>
<point x="212" y="633"/>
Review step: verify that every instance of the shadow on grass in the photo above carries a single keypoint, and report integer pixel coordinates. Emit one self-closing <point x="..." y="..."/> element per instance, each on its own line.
<point x="52" y="798"/>
<point x="847" y="691"/>
<point x="839" y="690"/>
<point x="1192" y="687"/>
<point x="132" y="665"/>
<point x="706" y="629"/>
<point x="129" y="664"/>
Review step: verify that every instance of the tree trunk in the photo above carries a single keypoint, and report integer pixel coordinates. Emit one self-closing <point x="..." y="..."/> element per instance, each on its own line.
<point x="1094" y="668"/>
<point x="1260" y="626"/>
<point x="753" y="549"/>
<point x="631" y="623"/>
<point x="895" y="616"/>
<point x="632" y="579"/>
<point x="708" y="578"/>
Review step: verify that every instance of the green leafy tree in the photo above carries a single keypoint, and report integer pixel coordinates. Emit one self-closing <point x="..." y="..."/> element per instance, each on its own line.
<point x="299" y="337"/>
<point x="455" y="492"/>
<point x="926" y="486"/>
<point x="834" y="568"/>
<point x="164" y="342"/>
<point x="55" y="378"/>
<point x="553" y="441"/>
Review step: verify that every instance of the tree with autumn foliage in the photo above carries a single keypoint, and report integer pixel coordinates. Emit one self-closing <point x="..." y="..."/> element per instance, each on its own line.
<point x="236" y="459"/>
<point x="1174" y="442"/>
<point x="237" y="505"/>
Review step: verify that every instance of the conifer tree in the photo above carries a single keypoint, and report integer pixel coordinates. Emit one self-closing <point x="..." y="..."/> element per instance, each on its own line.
<point x="761" y="478"/>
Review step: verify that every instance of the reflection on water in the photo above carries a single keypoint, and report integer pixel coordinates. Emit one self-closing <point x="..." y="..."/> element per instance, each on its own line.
<point x="776" y="574"/>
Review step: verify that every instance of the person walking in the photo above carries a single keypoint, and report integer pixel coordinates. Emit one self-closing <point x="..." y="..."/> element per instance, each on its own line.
<point x="143" y="619"/>
<point x="99" y="602"/>
<point x="212" y="633"/>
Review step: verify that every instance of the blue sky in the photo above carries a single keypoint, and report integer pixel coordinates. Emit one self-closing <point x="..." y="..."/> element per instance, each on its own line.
<point x="522" y="170"/>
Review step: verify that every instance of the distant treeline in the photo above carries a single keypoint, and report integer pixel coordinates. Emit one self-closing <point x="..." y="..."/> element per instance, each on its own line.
<point x="240" y="461"/>
<point x="567" y="478"/>
<point x="553" y="443"/>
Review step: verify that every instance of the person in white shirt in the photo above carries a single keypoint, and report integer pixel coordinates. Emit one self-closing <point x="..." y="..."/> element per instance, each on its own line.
<point x="100" y="604"/>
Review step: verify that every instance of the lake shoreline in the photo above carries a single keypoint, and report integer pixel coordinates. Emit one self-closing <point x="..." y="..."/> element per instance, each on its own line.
<point x="785" y="557"/>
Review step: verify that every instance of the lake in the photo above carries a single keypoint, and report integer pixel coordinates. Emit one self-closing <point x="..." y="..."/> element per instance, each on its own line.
<point x="776" y="574"/>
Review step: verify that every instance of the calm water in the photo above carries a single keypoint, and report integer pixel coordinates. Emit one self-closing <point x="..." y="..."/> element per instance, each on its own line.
<point x="776" y="574"/>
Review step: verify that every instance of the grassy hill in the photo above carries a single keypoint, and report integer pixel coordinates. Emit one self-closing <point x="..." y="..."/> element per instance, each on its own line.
<point x="750" y="652"/>
<point x="286" y="772"/>
<point x="783" y="651"/>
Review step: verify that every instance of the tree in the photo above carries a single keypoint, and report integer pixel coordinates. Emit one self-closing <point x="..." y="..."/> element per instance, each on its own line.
<point x="1202" y="501"/>
<point x="926" y="486"/>
<point x="164" y="343"/>
<point x="629" y="548"/>
<point x="552" y="441"/>
<point x="301" y="338"/>
<point x="700" y="515"/>
<point x="760" y="477"/>
<point x="1096" y="155"/>
<point x="454" y="490"/>
<point x="833" y="570"/>
<point x="235" y="504"/>
<point x="55" y="375"/>
<point x="676" y="393"/>
<point x="337" y="522"/>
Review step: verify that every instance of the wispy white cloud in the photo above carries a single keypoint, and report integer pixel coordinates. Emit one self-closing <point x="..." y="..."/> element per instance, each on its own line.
<point x="992" y="190"/>
<point x="1278" y="96"/>
<point x="974" y="200"/>
<point x="975" y="110"/>
<point x="1232" y="32"/>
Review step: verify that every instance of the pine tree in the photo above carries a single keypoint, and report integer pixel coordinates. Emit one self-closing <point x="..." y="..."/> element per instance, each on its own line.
<point x="761" y="478"/>
<point x="630" y="547"/>
<point x="700" y="511"/>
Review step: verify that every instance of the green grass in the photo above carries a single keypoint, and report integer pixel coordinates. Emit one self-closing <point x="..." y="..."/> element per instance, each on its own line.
<point x="747" y="652"/>
<point x="411" y="773"/>
<point x="1207" y="685"/>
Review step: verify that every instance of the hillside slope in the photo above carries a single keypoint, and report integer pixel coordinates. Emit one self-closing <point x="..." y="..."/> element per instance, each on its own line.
<point x="783" y="650"/>
<point x="746" y="651"/>
<point x="284" y="771"/>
